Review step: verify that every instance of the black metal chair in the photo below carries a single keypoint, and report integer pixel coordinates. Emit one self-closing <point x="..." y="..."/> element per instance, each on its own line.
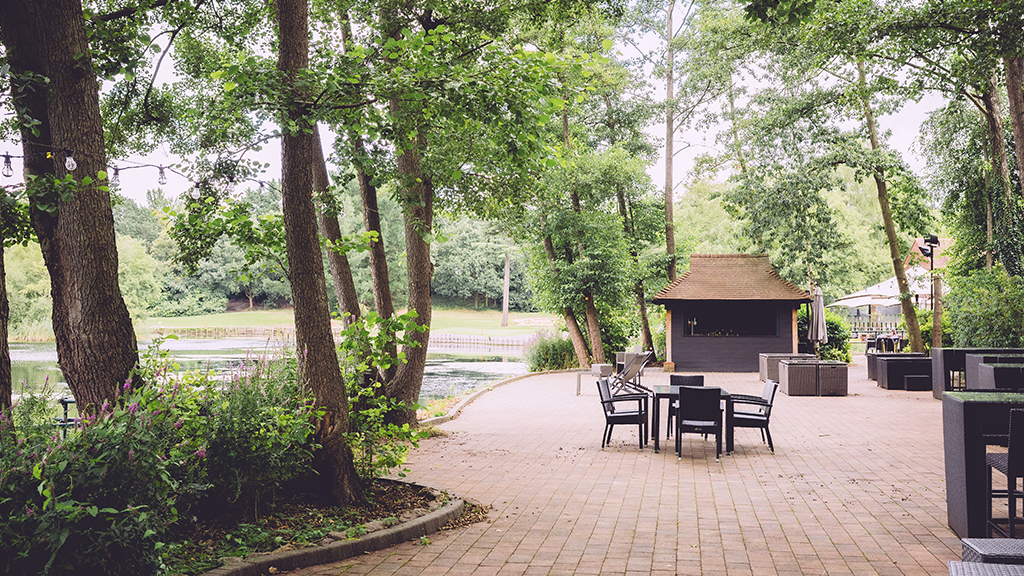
<point x="1011" y="464"/>
<point x="761" y="413"/>
<point x="681" y="380"/>
<point x="699" y="412"/>
<point x="613" y="416"/>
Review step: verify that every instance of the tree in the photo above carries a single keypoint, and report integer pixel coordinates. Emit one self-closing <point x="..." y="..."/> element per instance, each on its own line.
<point x="318" y="361"/>
<point x="55" y="96"/>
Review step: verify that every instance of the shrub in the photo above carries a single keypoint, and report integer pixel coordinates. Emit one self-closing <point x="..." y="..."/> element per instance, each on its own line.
<point x="986" y="310"/>
<point x="550" y="352"/>
<point x="838" y="345"/>
<point x="924" y="320"/>
<point x="101" y="500"/>
<point x="378" y="446"/>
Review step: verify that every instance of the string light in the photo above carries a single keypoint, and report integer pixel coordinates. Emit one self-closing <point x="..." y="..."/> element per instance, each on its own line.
<point x="69" y="162"/>
<point x="115" y="180"/>
<point x="162" y="178"/>
<point x="8" y="169"/>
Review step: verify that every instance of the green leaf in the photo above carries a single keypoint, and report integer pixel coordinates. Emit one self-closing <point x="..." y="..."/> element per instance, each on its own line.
<point x="229" y="86"/>
<point x="607" y="44"/>
<point x="216" y="75"/>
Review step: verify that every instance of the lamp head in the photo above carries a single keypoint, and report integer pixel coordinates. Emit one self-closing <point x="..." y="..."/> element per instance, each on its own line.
<point x="931" y="240"/>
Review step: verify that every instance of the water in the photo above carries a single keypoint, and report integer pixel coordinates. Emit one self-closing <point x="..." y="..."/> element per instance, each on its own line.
<point x="450" y="371"/>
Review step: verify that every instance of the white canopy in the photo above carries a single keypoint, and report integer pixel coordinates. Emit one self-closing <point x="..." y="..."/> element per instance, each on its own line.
<point x="887" y="293"/>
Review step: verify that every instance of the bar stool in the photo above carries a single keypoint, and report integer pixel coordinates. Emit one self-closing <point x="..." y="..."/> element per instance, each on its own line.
<point x="1010" y="463"/>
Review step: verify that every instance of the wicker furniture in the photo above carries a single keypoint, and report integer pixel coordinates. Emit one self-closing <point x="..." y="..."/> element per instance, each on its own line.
<point x="993" y="550"/>
<point x="970" y="422"/>
<point x="799" y="377"/>
<point x="1000" y="377"/>
<point x="759" y="411"/>
<point x="972" y="367"/>
<point x="768" y="364"/>
<point x="872" y="360"/>
<point x="1011" y="465"/>
<point x="833" y="378"/>
<point x="613" y="415"/>
<point x="980" y="569"/>
<point x="671" y="393"/>
<point x="699" y="411"/>
<point x="949" y="364"/>
<point x="892" y="370"/>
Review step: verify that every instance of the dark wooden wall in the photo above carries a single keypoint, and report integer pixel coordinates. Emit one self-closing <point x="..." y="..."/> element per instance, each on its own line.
<point x="727" y="353"/>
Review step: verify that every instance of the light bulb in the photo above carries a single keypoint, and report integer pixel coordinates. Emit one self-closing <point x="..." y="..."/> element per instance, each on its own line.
<point x="116" y="179"/>
<point x="70" y="163"/>
<point x="162" y="178"/>
<point x="8" y="169"/>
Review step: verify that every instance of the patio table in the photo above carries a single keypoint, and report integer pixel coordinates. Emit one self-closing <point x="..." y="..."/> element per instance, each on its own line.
<point x="671" y="393"/>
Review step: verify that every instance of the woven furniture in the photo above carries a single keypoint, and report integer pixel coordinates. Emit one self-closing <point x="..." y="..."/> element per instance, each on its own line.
<point x="798" y="377"/>
<point x="699" y="411"/>
<point x="972" y="367"/>
<point x="993" y="550"/>
<point x="971" y="421"/>
<point x="917" y="382"/>
<point x="1000" y="377"/>
<point x="757" y="412"/>
<point x="833" y="378"/>
<point x="768" y="363"/>
<point x="614" y="415"/>
<point x="1011" y="465"/>
<point x="981" y="569"/>
<point x="892" y="370"/>
<point x="949" y="365"/>
<point x="681" y="380"/>
<point x="872" y="360"/>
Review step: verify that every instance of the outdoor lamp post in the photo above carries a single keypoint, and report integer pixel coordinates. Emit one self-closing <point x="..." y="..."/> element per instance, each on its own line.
<point x="931" y="241"/>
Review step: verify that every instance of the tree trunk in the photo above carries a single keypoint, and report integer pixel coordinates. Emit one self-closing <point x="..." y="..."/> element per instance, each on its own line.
<point x="906" y="304"/>
<point x="670" y="129"/>
<point x="418" y="198"/>
<point x="318" y="362"/>
<point x="341" y="272"/>
<point x="571" y="324"/>
<point x="646" y="340"/>
<point x="1014" y="67"/>
<point x="6" y="384"/>
<point x="504" y="291"/>
<point x="993" y="112"/>
<point x="96" y="345"/>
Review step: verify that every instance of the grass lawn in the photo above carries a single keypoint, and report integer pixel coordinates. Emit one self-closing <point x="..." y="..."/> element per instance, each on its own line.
<point x="451" y="321"/>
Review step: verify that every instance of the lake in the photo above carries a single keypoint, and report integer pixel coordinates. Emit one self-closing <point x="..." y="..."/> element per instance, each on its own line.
<point x="450" y="370"/>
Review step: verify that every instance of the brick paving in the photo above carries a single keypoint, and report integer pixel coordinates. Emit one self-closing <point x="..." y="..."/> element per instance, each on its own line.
<point x="855" y="486"/>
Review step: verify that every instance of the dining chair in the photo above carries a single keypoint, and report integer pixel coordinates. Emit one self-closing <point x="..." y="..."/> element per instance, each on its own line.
<point x="699" y="412"/>
<point x="613" y="415"/>
<point x="1011" y="464"/>
<point x="759" y="413"/>
<point x="681" y="380"/>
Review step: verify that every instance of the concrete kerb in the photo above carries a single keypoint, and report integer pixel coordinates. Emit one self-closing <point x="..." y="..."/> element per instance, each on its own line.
<point x="258" y="565"/>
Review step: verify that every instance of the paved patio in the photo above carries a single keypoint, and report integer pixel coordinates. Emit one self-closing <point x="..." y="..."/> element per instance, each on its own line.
<point x="855" y="487"/>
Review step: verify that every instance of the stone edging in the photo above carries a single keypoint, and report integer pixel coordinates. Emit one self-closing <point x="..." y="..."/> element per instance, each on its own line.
<point x="342" y="548"/>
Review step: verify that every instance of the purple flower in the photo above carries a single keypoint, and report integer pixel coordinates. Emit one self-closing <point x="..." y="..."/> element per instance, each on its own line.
<point x="30" y="511"/>
<point x="133" y="408"/>
<point x="179" y="423"/>
<point x="201" y="452"/>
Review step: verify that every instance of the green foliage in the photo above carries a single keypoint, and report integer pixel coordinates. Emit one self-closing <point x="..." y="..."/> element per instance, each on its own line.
<point x="550" y="352"/>
<point x="103" y="499"/>
<point x="925" y="320"/>
<point x="838" y="345"/>
<point x="378" y="446"/>
<point x="986" y="309"/>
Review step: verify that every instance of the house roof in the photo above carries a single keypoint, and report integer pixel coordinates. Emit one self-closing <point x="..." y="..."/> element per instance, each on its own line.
<point x="731" y="277"/>
<point x="914" y="257"/>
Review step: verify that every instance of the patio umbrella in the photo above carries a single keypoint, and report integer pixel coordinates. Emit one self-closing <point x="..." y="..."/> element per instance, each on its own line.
<point x="817" y="331"/>
<point x="858" y="301"/>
